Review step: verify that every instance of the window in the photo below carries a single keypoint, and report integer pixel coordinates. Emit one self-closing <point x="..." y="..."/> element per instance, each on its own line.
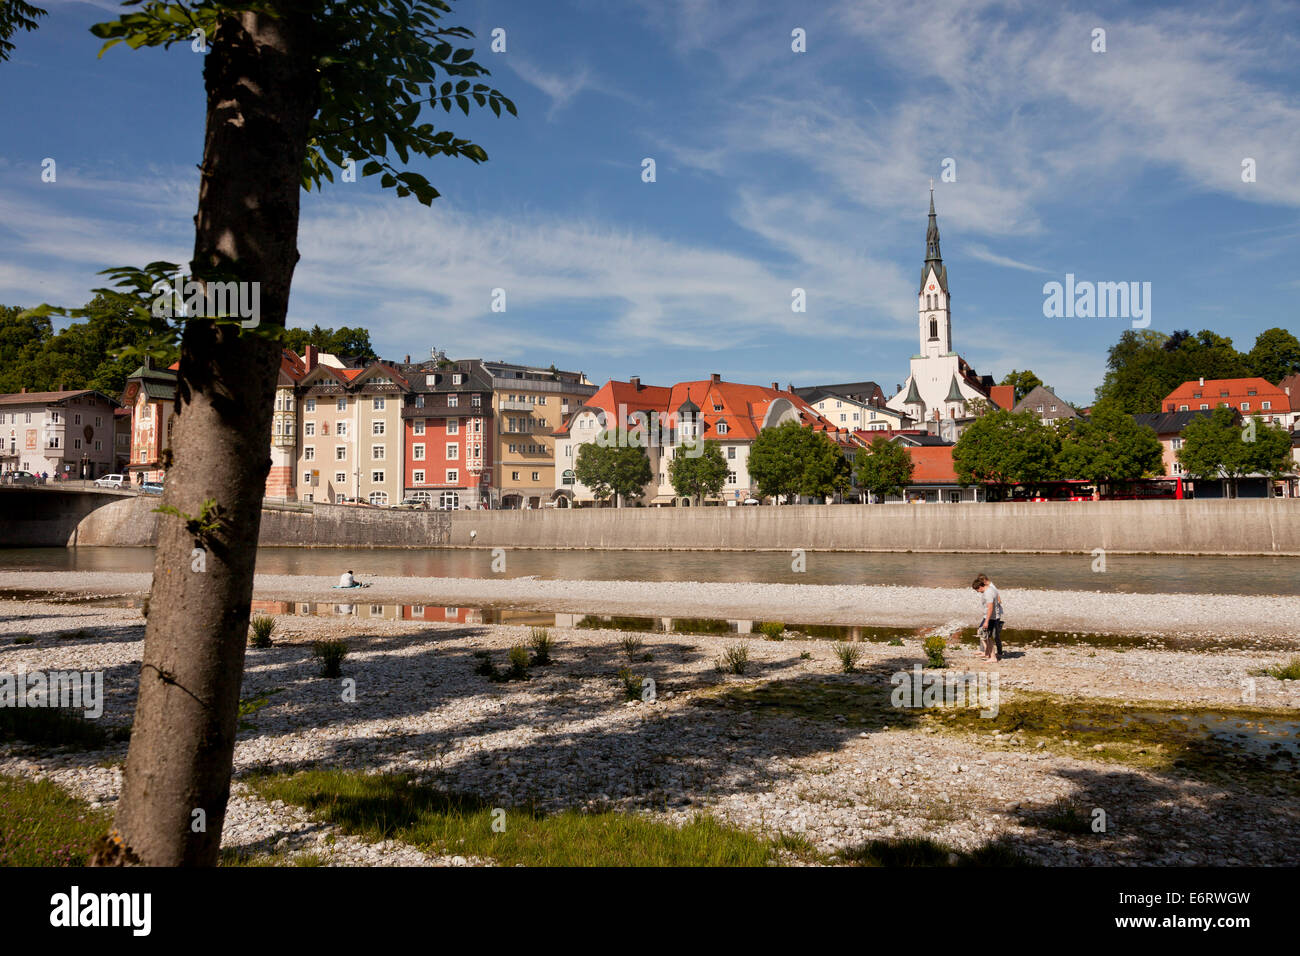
<point x="722" y="428"/>
<point x="541" y="400"/>
<point x="378" y="402"/>
<point x="309" y="453"/>
<point x="449" y="501"/>
<point x="377" y="452"/>
<point x="1223" y="393"/>
<point x="1177" y="443"/>
<point x="452" y="400"/>
<point x="76" y="443"/>
<point x="99" y="446"/>
<point x="339" y="478"/>
<point x="514" y="476"/>
<point x="1251" y="391"/>
<point x="76" y="419"/>
<point x="453" y="476"/>
<point x="731" y="452"/>
<point x="453" y="426"/>
<point x="377" y="477"/>
<point x="419" y="426"/>
<point x="934" y="328"/>
<point x="476" y="400"/>
<point x="340" y="452"/>
<point x="311" y="404"/>
<point x="731" y="477"/>
<point x="342" y="404"/>
<point x="306" y="477"/>
<point x="418" y="476"/>
<point x="537" y="476"/>
<point x="1266" y="405"/>
<point x="419" y="401"/>
<point x="453" y="451"/>
<point x="430" y="381"/>
<point x="417" y="452"/>
<point x="1053" y="408"/>
<point x="99" y="421"/>
<point x="1245" y="406"/>
<point x="1182" y="408"/>
<point x="309" y="428"/>
<point x="843" y="417"/>
<point x="341" y="428"/>
<point x="377" y="427"/>
<point x="1204" y="406"/>
<point x="379" y="497"/>
<point x="457" y="379"/>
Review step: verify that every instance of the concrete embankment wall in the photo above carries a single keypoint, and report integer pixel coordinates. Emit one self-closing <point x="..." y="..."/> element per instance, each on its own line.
<point x="1266" y="526"/>
<point x="1269" y="526"/>
<point x="131" y="522"/>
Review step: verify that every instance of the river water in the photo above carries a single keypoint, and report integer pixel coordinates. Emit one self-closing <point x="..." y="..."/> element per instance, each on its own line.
<point x="1136" y="574"/>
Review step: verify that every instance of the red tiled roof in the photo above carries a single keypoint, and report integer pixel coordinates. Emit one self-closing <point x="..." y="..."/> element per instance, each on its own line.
<point x="932" y="463"/>
<point x="1237" y="389"/>
<point x="1003" y="396"/>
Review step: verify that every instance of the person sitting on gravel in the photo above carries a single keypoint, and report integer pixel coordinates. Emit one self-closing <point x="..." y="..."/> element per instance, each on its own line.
<point x="992" y="623"/>
<point x="346" y="580"/>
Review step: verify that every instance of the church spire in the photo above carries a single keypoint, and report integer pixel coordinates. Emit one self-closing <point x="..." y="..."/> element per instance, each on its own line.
<point x="933" y="258"/>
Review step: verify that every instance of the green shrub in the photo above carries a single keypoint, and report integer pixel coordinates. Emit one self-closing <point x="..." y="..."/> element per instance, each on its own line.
<point x="772" y="630"/>
<point x="934" y="647"/>
<point x="331" y="654"/>
<point x="262" y="626"/>
<point x="517" y="663"/>
<point x="734" y="660"/>
<point x="896" y="642"/>
<point x="540" y="640"/>
<point x="24" y="640"/>
<point x="631" y="684"/>
<point x="1287" y="671"/>
<point x="806" y="656"/>
<point x="631" y="645"/>
<point x="848" y="655"/>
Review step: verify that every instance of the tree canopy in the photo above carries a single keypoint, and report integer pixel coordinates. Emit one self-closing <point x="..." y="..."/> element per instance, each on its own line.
<point x="1004" y="447"/>
<point x="1221" y="445"/>
<point x="884" y="468"/>
<point x="613" y="468"/>
<point x="1024" y="382"/>
<point x="1109" y="446"/>
<point x="791" y="460"/>
<point x="698" y="476"/>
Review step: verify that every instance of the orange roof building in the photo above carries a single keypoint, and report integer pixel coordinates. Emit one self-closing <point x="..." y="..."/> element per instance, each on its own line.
<point x="1249" y="396"/>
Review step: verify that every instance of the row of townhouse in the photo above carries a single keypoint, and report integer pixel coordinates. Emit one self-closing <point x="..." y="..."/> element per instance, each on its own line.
<point x="64" y="433"/>
<point x="730" y="413"/>
<point x="451" y="434"/>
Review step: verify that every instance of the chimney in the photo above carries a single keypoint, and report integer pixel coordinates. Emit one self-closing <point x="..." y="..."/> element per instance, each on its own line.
<point x="311" y="357"/>
<point x="715" y="378"/>
<point x="1202" y="380"/>
<point x="636" y="382"/>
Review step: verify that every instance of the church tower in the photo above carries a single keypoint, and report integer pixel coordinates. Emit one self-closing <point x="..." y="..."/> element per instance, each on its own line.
<point x="934" y="317"/>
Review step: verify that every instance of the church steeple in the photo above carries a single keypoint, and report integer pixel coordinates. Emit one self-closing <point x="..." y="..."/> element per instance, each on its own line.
<point x="933" y="258"/>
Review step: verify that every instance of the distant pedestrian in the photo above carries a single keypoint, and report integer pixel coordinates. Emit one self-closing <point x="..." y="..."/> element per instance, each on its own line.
<point x="992" y="619"/>
<point x="346" y="580"/>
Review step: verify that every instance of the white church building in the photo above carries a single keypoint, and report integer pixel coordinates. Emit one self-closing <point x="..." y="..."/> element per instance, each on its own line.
<point x="940" y="384"/>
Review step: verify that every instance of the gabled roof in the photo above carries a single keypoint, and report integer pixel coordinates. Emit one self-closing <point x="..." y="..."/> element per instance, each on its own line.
<point x="1238" y="390"/>
<point x="1041" y="394"/>
<point x="932" y="464"/>
<point x="51" y="398"/>
<point x="1170" y="423"/>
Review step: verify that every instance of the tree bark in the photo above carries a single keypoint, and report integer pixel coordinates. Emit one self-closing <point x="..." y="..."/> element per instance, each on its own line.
<point x="262" y="92"/>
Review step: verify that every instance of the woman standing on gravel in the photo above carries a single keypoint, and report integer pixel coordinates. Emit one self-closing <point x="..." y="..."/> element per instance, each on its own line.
<point x="992" y="623"/>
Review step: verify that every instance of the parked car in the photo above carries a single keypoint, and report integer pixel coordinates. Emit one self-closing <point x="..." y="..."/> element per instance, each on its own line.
<point x="111" y="481"/>
<point x="413" y="504"/>
<point x="21" y="478"/>
<point x="152" y="487"/>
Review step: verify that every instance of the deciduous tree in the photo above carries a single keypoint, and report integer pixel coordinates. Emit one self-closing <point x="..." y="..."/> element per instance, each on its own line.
<point x="700" y="476"/>
<point x="884" y="468"/>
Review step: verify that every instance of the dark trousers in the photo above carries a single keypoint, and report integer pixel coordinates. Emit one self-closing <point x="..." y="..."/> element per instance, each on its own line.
<point x="995" y="634"/>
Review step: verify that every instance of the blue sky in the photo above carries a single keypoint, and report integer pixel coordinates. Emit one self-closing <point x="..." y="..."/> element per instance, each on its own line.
<point x="775" y="170"/>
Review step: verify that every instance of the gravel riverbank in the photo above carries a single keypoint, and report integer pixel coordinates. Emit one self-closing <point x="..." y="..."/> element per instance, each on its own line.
<point x="567" y="738"/>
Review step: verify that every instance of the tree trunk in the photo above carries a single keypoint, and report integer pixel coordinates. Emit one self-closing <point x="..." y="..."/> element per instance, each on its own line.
<point x="262" y="93"/>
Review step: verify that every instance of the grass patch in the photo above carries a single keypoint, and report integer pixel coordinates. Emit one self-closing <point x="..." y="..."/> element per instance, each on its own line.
<point x="772" y="630"/>
<point x="380" y="807"/>
<point x="1288" y="671"/>
<point x="260" y="628"/>
<point x="517" y="663"/>
<point x="542" y="645"/>
<point x="331" y="654"/>
<point x="1064" y="818"/>
<point x="632" y="646"/>
<point x="41" y="824"/>
<point x="848" y="655"/>
<point x="934" y="647"/>
<point x="734" y="660"/>
<point x="24" y="640"/>
<point x="631" y="684"/>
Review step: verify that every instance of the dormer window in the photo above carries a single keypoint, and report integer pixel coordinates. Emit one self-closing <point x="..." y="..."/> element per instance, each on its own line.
<point x="722" y="428"/>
